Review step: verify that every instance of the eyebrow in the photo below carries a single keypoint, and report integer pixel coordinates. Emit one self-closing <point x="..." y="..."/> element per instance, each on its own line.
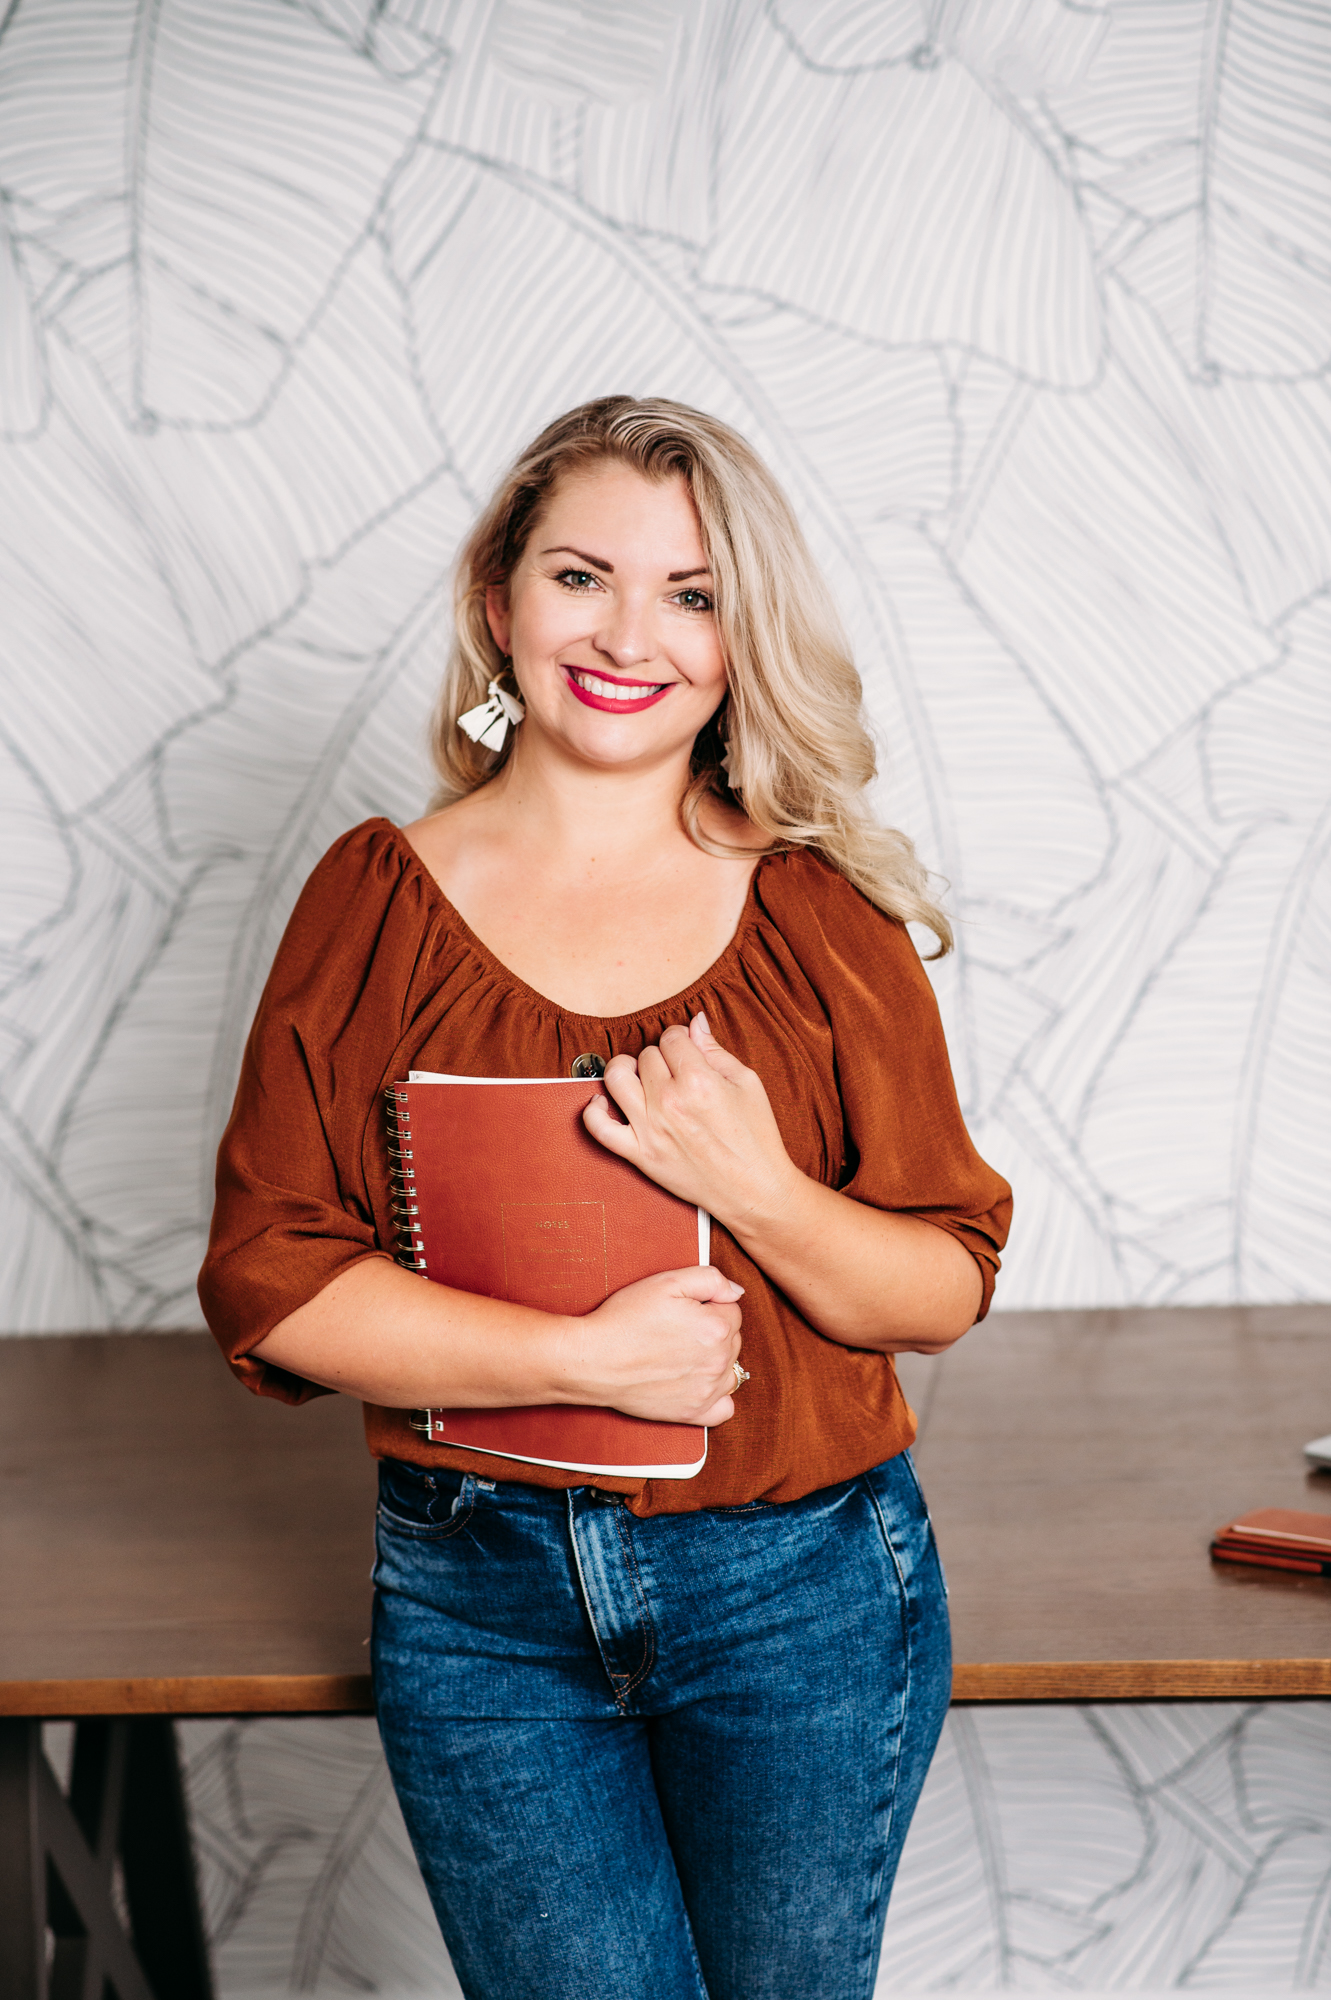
<point x="596" y="562"/>
<point x="599" y="562"/>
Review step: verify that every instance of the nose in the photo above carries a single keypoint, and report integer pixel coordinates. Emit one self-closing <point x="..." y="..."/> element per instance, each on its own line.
<point x="625" y="634"/>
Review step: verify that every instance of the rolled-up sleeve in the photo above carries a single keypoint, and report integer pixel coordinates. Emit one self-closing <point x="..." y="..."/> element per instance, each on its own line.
<point x="906" y="1144"/>
<point x="293" y="1209"/>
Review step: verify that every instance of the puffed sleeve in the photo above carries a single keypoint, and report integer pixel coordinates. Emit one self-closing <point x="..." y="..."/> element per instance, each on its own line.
<point x="293" y="1208"/>
<point x="907" y="1147"/>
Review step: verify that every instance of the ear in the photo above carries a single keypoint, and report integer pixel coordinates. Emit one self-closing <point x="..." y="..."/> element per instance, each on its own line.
<point x="497" y="615"/>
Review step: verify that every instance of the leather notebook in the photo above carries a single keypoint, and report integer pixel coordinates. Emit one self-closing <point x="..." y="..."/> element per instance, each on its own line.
<point x="1277" y="1538"/>
<point x="499" y="1189"/>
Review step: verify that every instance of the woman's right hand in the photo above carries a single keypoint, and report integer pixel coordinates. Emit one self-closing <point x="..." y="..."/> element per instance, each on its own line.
<point x="663" y="1348"/>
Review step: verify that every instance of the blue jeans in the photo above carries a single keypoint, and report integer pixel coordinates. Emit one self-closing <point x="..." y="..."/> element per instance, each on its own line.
<point x="671" y="1759"/>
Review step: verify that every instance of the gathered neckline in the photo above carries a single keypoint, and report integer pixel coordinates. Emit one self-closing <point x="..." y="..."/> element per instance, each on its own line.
<point x="495" y="966"/>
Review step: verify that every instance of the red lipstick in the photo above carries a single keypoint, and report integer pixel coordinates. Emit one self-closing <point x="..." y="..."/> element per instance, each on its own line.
<point x="607" y="703"/>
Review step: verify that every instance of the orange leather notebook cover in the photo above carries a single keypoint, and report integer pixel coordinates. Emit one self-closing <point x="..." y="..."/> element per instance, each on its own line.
<point x="1277" y="1538"/>
<point x="501" y="1191"/>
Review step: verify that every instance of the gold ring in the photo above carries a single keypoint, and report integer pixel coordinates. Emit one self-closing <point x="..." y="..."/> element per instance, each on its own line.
<point x="741" y="1376"/>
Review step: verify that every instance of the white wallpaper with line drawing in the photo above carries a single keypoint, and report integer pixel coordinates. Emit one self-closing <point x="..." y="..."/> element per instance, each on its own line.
<point x="1095" y="1850"/>
<point x="1029" y="305"/>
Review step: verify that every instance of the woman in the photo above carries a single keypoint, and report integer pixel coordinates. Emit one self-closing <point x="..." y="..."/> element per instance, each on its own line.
<point x="650" y="1737"/>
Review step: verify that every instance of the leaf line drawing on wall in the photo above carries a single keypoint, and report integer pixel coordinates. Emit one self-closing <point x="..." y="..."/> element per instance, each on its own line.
<point x="1027" y="304"/>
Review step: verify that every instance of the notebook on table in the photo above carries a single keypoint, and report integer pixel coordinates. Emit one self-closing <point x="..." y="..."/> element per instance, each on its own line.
<point x="499" y="1189"/>
<point x="1277" y="1538"/>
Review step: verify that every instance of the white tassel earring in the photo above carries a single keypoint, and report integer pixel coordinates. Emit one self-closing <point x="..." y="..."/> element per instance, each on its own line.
<point x="488" y="724"/>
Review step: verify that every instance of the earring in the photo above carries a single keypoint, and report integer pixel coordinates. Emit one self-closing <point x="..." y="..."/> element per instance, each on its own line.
<point x="488" y="723"/>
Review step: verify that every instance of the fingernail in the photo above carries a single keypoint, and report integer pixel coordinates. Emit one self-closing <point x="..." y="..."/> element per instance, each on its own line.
<point x="702" y="1023"/>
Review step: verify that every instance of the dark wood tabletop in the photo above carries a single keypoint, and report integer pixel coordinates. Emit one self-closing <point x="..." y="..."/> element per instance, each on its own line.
<point x="170" y="1544"/>
<point x="1077" y="1464"/>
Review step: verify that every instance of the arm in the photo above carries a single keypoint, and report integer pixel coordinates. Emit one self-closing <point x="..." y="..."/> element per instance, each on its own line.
<point x="701" y="1125"/>
<point x="662" y="1348"/>
<point x="859" y="1275"/>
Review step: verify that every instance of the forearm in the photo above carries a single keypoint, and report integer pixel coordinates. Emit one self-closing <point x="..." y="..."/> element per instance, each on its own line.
<point x="389" y="1337"/>
<point x="859" y="1275"/>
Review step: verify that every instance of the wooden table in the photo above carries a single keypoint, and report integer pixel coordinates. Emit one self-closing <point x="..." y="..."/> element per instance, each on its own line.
<point x="1076" y="1466"/>
<point x="168" y="1546"/>
<point x="171" y="1546"/>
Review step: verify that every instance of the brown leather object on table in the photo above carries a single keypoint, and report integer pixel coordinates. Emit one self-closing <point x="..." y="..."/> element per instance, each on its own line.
<point x="1277" y="1538"/>
<point x="1076" y="1464"/>
<point x="170" y="1544"/>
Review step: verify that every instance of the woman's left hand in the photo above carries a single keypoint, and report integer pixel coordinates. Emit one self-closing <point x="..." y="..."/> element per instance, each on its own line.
<point x="699" y="1125"/>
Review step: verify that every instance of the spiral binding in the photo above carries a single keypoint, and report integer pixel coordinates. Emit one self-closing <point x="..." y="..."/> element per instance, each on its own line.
<point x="410" y="1252"/>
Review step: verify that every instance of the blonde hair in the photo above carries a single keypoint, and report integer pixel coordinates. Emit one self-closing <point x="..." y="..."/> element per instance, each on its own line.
<point x="796" y="751"/>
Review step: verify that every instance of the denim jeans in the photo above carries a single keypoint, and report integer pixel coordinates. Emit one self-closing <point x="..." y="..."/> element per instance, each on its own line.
<point x="664" y="1759"/>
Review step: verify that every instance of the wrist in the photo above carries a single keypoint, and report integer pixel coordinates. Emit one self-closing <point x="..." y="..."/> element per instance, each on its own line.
<point x="768" y="1209"/>
<point x="566" y="1374"/>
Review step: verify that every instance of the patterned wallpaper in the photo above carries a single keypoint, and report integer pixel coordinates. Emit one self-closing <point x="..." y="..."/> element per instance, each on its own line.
<point x="1124" y="1849"/>
<point x="1029" y="305"/>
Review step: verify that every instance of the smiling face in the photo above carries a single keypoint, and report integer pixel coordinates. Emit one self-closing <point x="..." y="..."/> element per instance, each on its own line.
<point x="609" y="620"/>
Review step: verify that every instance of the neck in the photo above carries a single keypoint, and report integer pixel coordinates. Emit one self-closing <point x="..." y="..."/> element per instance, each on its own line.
<point x="599" y="824"/>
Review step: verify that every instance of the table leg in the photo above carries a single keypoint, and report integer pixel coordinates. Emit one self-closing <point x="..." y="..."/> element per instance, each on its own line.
<point x="22" y="1866"/>
<point x="161" y="1888"/>
<point x="57" y="1866"/>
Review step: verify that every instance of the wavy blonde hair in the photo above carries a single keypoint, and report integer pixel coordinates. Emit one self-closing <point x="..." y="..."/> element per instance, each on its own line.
<point x="789" y="740"/>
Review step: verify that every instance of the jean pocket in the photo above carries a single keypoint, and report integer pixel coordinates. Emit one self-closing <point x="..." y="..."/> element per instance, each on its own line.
<point x="424" y="1506"/>
<point x="897" y="1481"/>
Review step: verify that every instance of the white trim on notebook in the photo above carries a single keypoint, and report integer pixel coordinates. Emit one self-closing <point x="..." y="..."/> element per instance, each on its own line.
<point x="439" y="1076"/>
<point x="571" y="1465"/>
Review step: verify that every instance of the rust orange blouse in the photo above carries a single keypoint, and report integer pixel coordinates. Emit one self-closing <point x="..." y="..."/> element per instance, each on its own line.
<point x="818" y="991"/>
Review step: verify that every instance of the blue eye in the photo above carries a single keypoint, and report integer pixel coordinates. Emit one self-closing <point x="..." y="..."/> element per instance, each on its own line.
<point x="576" y="579"/>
